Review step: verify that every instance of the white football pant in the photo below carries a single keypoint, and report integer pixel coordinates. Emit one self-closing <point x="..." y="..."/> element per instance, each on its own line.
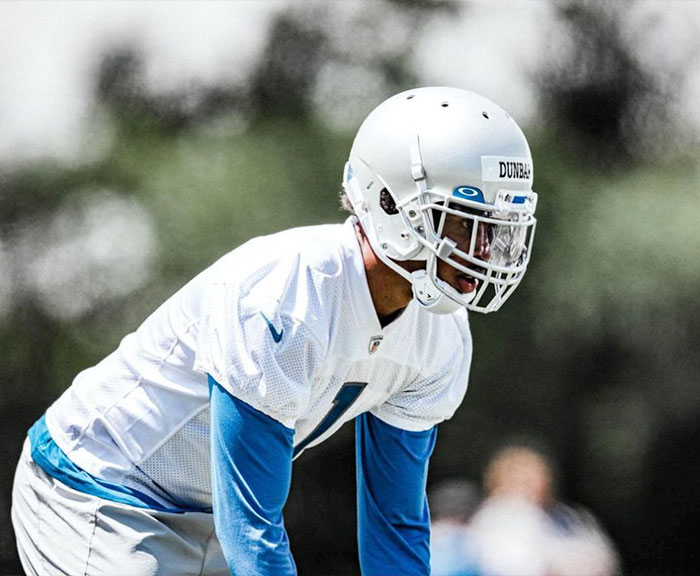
<point x="62" y="531"/>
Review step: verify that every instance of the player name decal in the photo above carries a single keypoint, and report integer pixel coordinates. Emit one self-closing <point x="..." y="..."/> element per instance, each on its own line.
<point x="505" y="168"/>
<point x="514" y="170"/>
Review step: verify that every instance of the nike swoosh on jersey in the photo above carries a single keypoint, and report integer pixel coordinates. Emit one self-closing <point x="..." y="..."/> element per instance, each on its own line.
<point x="276" y="336"/>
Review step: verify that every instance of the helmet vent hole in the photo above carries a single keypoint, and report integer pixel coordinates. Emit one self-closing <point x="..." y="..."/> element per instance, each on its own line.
<point x="386" y="202"/>
<point x="445" y="104"/>
<point x="485" y="115"/>
<point x="410" y="96"/>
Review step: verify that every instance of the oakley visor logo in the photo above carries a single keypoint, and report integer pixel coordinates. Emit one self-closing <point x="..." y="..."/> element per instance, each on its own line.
<point x="468" y="193"/>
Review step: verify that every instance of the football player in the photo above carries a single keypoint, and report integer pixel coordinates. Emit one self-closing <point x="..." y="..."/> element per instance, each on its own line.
<point x="173" y="455"/>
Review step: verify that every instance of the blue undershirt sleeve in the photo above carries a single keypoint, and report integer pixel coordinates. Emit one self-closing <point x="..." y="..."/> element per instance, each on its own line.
<point x="251" y="476"/>
<point x="393" y="517"/>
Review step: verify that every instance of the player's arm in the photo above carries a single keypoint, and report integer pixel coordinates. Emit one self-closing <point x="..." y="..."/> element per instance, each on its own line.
<point x="393" y="518"/>
<point x="251" y="475"/>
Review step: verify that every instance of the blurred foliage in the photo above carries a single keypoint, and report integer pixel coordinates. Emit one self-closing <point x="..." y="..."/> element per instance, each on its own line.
<point x="595" y="354"/>
<point x="610" y="103"/>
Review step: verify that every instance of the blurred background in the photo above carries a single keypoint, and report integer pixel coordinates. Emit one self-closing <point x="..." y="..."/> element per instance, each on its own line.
<point x="141" y="141"/>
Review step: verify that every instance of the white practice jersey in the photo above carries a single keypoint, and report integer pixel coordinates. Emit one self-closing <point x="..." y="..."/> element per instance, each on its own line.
<point x="285" y="323"/>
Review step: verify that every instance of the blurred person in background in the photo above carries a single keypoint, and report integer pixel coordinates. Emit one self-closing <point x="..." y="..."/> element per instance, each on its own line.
<point x="452" y="550"/>
<point x="174" y="454"/>
<point x="522" y="529"/>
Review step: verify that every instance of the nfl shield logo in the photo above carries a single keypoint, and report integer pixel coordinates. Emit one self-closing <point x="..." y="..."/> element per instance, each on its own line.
<point x="374" y="343"/>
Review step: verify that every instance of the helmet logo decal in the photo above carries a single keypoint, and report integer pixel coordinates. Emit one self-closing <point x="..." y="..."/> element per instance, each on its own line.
<point x="468" y="193"/>
<point x="348" y="172"/>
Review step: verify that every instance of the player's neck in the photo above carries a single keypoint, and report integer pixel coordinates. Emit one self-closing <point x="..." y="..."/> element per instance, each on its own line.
<point x="390" y="292"/>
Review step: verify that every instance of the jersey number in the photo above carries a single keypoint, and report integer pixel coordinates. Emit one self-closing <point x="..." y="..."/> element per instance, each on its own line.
<point x="346" y="397"/>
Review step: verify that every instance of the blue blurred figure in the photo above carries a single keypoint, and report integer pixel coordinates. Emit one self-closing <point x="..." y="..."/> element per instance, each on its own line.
<point x="452" y="549"/>
<point x="522" y="529"/>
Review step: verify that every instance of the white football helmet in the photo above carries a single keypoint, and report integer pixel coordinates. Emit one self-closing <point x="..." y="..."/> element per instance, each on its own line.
<point x="433" y="161"/>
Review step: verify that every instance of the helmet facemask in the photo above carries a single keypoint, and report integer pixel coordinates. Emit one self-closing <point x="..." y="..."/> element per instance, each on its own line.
<point x="487" y="246"/>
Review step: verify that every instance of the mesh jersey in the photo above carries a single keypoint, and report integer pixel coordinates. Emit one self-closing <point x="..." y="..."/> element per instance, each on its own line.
<point x="284" y="323"/>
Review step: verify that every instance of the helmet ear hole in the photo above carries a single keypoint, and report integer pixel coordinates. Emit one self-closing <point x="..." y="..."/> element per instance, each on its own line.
<point x="387" y="203"/>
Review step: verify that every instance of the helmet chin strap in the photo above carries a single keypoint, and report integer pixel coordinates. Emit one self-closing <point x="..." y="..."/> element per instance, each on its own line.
<point x="431" y="293"/>
<point x="425" y="289"/>
<point x="436" y="295"/>
<point x="430" y="297"/>
<point x="425" y="285"/>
